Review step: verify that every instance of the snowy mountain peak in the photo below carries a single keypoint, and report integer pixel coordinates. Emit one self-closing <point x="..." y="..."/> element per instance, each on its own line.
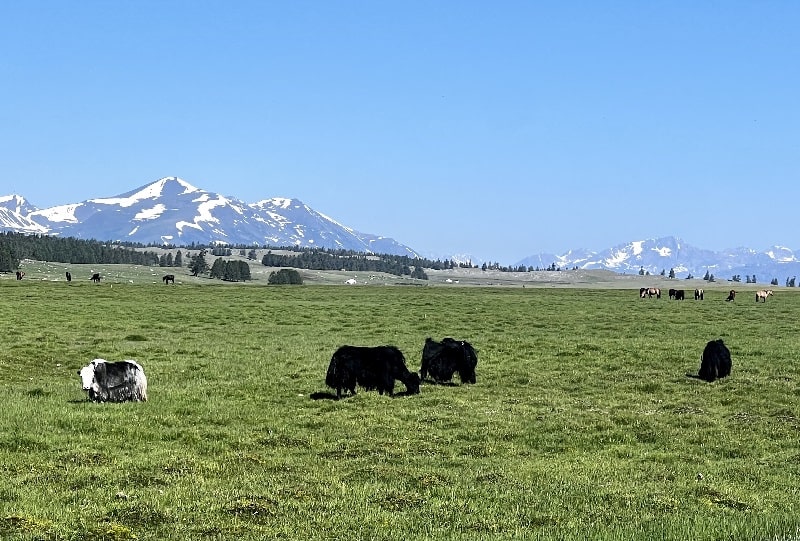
<point x="16" y="203"/>
<point x="170" y="210"/>
<point x="654" y="256"/>
<point x="167" y="186"/>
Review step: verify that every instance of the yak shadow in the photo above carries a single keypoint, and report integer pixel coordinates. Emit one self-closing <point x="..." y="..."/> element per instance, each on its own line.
<point x="332" y="396"/>
<point x="323" y="396"/>
<point x="428" y="381"/>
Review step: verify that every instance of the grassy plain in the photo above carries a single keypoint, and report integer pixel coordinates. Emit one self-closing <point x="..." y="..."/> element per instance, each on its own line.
<point x="583" y="423"/>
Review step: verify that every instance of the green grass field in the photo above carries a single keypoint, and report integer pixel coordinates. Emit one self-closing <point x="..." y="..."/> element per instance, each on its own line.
<point x="583" y="423"/>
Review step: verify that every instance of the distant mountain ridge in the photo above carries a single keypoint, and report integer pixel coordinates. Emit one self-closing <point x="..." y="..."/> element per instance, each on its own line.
<point x="172" y="211"/>
<point x="670" y="253"/>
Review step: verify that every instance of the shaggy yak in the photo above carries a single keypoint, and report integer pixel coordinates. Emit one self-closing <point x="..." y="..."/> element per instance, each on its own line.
<point x="443" y="359"/>
<point x="715" y="362"/>
<point x="120" y="381"/>
<point x="370" y="367"/>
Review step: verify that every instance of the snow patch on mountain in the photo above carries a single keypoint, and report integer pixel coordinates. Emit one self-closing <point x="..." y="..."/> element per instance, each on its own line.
<point x="149" y="214"/>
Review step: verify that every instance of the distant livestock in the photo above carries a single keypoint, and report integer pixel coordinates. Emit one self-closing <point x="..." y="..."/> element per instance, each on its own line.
<point x="649" y="292"/>
<point x="372" y="368"/>
<point x="731" y="296"/>
<point x="443" y="359"/>
<point x="169" y="278"/>
<point x="698" y="294"/>
<point x="20" y="275"/>
<point x="69" y="276"/>
<point x="672" y="293"/>
<point x="763" y="294"/>
<point x="680" y="295"/>
<point x="95" y="278"/>
<point x="120" y="381"/>
<point x="715" y="362"/>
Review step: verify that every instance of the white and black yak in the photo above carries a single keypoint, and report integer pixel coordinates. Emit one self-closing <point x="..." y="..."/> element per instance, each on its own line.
<point x="372" y="368"/>
<point x="443" y="359"/>
<point x="120" y="381"/>
<point x="715" y="362"/>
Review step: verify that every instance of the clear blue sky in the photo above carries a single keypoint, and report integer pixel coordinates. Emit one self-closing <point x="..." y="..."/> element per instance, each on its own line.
<point x="496" y="129"/>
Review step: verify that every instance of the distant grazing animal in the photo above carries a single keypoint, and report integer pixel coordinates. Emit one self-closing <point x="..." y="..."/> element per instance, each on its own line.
<point x="715" y="362"/>
<point x="69" y="276"/>
<point x="169" y="278"/>
<point x="642" y="291"/>
<point x="20" y="275"/>
<point x="649" y="292"/>
<point x="370" y="367"/>
<point x="698" y="294"/>
<point x="95" y="278"/>
<point x="763" y="294"/>
<point x="680" y="294"/>
<point x="120" y="381"/>
<point x="672" y="293"/>
<point x="731" y="296"/>
<point x="443" y="359"/>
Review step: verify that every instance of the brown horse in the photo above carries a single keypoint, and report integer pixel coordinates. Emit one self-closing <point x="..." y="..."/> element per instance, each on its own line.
<point x="763" y="294"/>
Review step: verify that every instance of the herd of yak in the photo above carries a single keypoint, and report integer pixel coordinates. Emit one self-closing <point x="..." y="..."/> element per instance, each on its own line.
<point x="368" y="367"/>
<point x="377" y="368"/>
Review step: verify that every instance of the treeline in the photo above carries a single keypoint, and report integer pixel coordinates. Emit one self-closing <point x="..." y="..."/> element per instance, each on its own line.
<point x="15" y="247"/>
<point x="348" y="260"/>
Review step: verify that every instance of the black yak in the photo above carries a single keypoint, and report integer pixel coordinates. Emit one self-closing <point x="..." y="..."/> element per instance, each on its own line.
<point x="443" y="359"/>
<point x="715" y="362"/>
<point x="731" y="296"/>
<point x="169" y="278"/>
<point x="371" y="368"/>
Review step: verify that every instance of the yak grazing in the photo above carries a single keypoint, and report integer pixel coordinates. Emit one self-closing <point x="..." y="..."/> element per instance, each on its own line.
<point x="120" y="381"/>
<point x="372" y="368"/>
<point x="715" y="362"/>
<point x="443" y="359"/>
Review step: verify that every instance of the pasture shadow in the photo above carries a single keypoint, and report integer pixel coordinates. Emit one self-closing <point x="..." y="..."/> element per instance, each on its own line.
<point x="323" y="396"/>
<point x="440" y="383"/>
<point x="332" y="396"/>
<point x="697" y="376"/>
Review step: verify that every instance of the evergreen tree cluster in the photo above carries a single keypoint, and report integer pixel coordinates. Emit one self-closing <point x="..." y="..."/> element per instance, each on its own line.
<point x="349" y="260"/>
<point x="284" y="277"/>
<point x="230" y="271"/>
<point x="17" y="246"/>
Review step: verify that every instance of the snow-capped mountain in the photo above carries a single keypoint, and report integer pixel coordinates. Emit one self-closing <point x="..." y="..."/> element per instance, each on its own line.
<point x="172" y="211"/>
<point x="670" y="253"/>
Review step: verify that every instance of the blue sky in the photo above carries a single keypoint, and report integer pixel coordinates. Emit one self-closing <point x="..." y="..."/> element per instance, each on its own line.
<point x="495" y="129"/>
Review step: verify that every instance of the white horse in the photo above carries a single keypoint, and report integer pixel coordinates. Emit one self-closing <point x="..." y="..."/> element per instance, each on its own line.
<point x="763" y="294"/>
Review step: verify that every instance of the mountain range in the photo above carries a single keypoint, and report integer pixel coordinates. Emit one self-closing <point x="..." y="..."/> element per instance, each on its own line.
<point x="171" y="211"/>
<point x="654" y="256"/>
